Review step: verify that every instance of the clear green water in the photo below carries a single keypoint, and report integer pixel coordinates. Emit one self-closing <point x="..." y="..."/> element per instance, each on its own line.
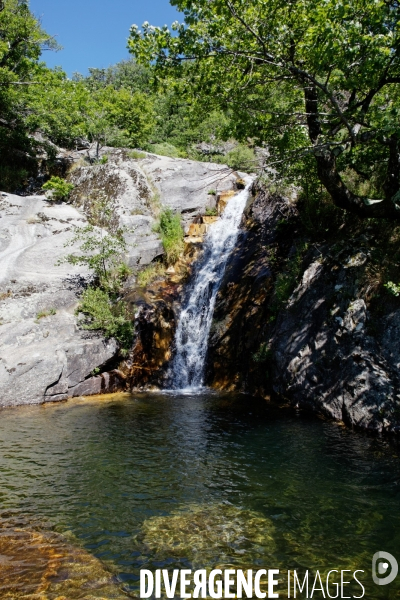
<point x="157" y="481"/>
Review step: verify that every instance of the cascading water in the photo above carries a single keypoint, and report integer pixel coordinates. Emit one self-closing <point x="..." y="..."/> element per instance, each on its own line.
<point x="191" y="339"/>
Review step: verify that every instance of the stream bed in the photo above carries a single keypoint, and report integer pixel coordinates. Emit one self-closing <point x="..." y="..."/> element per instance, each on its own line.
<point x="190" y="481"/>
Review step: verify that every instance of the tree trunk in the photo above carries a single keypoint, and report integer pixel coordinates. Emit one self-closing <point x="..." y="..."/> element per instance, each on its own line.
<point x="391" y="185"/>
<point x="330" y="178"/>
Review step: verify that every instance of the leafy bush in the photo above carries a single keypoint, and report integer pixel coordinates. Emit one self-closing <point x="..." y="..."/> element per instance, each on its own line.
<point x="12" y="177"/>
<point x="166" y="149"/>
<point x="287" y="279"/>
<point x="102" y="252"/>
<point x="211" y="212"/>
<point x="100" y="313"/>
<point x="150" y="273"/>
<point x="393" y="288"/>
<point x="241" y="158"/>
<point x="59" y="188"/>
<point x="136" y="154"/>
<point x="171" y="232"/>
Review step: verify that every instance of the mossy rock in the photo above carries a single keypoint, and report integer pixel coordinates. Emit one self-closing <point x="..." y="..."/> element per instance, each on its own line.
<point x="208" y="535"/>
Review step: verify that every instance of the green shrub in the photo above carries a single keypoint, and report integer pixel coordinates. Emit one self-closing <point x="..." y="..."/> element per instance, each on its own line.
<point x="60" y="188"/>
<point x="12" y="178"/>
<point x="287" y="279"/>
<point x="393" y="288"/>
<point x="264" y="354"/>
<point x="170" y="229"/>
<point x="166" y="149"/>
<point x="104" y="159"/>
<point x="212" y="193"/>
<point x="100" y="313"/>
<point x="241" y="158"/>
<point x="211" y="212"/>
<point x="45" y="313"/>
<point x="150" y="273"/>
<point x="136" y="154"/>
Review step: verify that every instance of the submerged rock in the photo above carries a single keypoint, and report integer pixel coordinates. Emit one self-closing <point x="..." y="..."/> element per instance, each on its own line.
<point x="38" y="564"/>
<point x="209" y="535"/>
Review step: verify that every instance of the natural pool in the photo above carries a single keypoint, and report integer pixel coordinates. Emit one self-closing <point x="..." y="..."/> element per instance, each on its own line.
<point x="181" y="481"/>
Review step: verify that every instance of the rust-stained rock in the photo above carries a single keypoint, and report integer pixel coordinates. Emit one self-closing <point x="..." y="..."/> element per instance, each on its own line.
<point x="209" y="220"/>
<point x="223" y="199"/>
<point x="154" y="334"/>
<point x="36" y="564"/>
<point x="197" y="230"/>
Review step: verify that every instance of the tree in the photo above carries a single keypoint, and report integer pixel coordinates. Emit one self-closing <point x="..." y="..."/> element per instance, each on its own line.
<point x="21" y="42"/>
<point x="102" y="246"/>
<point x="102" y="249"/>
<point x="306" y="77"/>
<point x="131" y="113"/>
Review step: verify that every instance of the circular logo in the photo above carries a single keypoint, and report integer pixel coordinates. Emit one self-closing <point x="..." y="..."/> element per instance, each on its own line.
<point x="381" y="568"/>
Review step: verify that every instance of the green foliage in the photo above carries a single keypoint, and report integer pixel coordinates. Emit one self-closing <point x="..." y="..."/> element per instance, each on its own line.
<point x="102" y="246"/>
<point x="13" y="177"/>
<point x="130" y="113"/>
<point x="127" y="74"/>
<point x="59" y="108"/>
<point x="393" y="288"/>
<point x="317" y="78"/>
<point x="211" y="212"/>
<point x="166" y="149"/>
<point x="241" y="158"/>
<point x="263" y="355"/>
<point x="45" y="313"/>
<point x="102" y="249"/>
<point x="101" y="313"/>
<point x="150" y="274"/>
<point x="212" y="193"/>
<point x="288" y="277"/>
<point x="59" y="188"/>
<point x="21" y="42"/>
<point x="319" y="215"/>
<point x="170" y="229"/>
<point x="101" y="252"/>
<point x="136" y="154"/>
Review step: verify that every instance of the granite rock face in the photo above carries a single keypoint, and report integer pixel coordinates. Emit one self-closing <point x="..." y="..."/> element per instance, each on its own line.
<point x="139" y="188"/>
<point x="44" y="356"/>
<point x="324" y="350"/>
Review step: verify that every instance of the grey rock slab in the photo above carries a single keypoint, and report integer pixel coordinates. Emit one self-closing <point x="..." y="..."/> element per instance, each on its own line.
<point x="184" y="184"/>
<point x="50" y="358"/>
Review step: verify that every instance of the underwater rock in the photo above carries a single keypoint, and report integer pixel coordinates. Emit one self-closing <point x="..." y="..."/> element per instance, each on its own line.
<point x="209" y="535"/>
<point x="36" y="564"/>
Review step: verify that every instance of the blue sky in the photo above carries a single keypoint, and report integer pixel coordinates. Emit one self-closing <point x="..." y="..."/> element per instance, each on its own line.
<point x="93" y="33"/>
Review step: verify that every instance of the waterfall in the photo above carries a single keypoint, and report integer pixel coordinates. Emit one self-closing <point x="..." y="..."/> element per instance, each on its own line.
<point x="191" y="339"/>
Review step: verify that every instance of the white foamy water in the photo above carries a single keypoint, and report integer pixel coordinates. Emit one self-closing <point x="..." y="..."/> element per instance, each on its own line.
<point x="191" y="338"/>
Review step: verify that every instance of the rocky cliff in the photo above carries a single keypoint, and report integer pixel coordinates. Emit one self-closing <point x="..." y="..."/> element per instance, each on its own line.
<point x="296" y="319"/>
<point x="300" y="316"/>
<point x="44" y="355"/>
